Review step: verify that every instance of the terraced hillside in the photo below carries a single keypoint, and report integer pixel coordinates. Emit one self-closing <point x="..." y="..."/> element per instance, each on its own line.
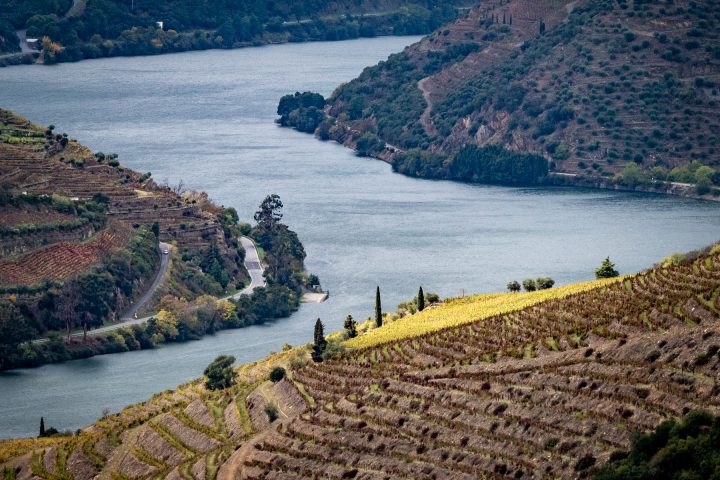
<point x="72" y="222"/>
<point x="549" y="390"/>
<point x="592" y="86"/>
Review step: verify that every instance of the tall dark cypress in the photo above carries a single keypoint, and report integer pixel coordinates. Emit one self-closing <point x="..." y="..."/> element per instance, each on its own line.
<point x="42" y="426"/>
<point x="378" y="309"/>
<point x="319" y="343"/>
<point x="421" y="300"/>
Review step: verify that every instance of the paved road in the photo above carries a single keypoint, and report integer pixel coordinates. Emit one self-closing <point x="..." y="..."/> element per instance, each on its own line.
<point x="252" y="265"/>
<point x="24" y="47"/>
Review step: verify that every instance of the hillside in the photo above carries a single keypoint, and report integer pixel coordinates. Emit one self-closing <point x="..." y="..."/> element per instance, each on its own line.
<point x="607" y="93"/>
<point x="79" y="236"/>
<point x="534" y="389"/>
<point x="105" y="28"/>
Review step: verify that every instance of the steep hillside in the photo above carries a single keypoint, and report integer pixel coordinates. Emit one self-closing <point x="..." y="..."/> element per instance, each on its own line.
<point x="540" y="390"/>
<point x="603" y="90"/>
<point x="79" y="242"/>
<point x="43" y="172"/>
<point x="102" y="28"/>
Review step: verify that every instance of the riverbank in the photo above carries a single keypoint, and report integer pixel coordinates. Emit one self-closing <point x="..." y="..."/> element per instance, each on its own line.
<point x="350" y="138"/>
<point x="185" y="29"/>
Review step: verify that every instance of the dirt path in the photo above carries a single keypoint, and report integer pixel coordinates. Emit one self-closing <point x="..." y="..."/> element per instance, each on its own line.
<point x="426" y="118"/>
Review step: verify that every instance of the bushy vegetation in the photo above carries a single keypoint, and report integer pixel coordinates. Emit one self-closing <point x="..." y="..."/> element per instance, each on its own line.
<point x="9" y="42"/>
<point x="490" y="164"/>
<point x="114" y="27"/>
<point x="220" y="373"/>
<point x="686" y="449"/>
<point x="302" y="111"/>
<point x="702" y="176"/>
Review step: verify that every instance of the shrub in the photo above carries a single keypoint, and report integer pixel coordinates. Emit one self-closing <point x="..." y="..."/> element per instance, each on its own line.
<point x="272" y="412"/>
<point x="277" y="374"/>
<point x="220" y="373"/>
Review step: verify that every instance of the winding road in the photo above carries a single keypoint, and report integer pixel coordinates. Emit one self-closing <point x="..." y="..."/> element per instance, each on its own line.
<point x="252" y="265"/>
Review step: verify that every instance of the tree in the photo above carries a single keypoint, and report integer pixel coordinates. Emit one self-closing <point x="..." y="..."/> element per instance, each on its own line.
<point x="156" y="229"/>
<point x="514" y="286"/>
<point x="421" y="300"/>
<point x="220" y="373"/>
<point x="529" y="285"/>
<point x="270" y="212"/>
<point x="319" y="344"/>
<point x="606" y="270"/>
<point x="14" y="330"/>
<point x="542" y="28"/>
<point x="543" y="283"/>
<point x="277" y="374"/>
<point x="378" y="309"/>
<point x="96" y="299"/>
<point x="350" y="327"/>
<point x="42" y="426"/>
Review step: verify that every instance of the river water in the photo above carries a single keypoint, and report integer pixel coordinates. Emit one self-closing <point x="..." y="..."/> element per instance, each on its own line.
<point x="207" y="118"/>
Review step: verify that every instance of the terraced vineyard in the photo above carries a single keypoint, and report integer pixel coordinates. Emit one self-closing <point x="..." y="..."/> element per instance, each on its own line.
<point x="548" y="390"/>
<point x="62" y="260"/>
<point x="545" y="392"/>
<point x="39" y="241"/>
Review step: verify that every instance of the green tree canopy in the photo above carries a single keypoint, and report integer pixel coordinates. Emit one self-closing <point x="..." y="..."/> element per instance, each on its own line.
<point x="14" y="330"/>
<point x="685" y="450"/>
<point x="606" y="270"/>
<point x="220" y="373"/>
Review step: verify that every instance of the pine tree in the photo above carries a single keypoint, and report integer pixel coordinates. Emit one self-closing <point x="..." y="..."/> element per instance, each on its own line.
<point x="350" y="327"/>
<point x="378" y="309"/>
<point x="42" y="426"/>
<point x="606" y="270"/>
<point x="319" y="344"/>
<point x="421" y="300"/>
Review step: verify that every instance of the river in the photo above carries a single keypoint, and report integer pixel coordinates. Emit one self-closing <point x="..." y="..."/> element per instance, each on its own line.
<point x="207" y="118"/>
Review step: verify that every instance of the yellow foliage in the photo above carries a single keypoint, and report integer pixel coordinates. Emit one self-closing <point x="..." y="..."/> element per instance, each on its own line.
<point x="167" y="323"/>
<point x="14" y="448"/>
<point x="225" y="309"/>
<point x="460" y="311"/>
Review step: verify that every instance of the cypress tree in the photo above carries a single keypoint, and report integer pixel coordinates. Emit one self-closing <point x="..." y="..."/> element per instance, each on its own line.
<point x="542" y="28"/>
<point x="42" y="426"/>
<point x="350" y="327"/>
<point x="378" y="309"/>
<point x="319" y="343"/>
<point x="421" y="300"/>
<point x="503" y="18"/>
